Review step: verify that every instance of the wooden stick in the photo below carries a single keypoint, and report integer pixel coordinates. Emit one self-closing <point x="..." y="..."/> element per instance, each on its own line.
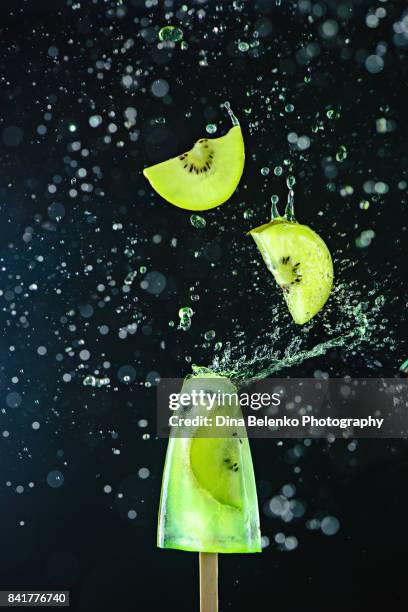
<point x="208" y="582"/>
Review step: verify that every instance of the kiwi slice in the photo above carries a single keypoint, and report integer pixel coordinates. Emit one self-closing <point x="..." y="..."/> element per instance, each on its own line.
<point x="204" y="177"/>
<point x="300" y="262"/>
<point x="215" y="463"/>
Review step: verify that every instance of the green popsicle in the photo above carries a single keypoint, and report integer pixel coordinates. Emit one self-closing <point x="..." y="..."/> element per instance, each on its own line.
<point x="208" y="499"/>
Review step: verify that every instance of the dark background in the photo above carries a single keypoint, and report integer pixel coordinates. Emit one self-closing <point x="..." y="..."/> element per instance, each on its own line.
<point x="64" y="256"/>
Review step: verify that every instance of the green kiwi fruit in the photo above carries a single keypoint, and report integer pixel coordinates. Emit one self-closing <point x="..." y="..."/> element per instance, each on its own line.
<point x="205" y="176"/>
<point x="300" y="262"/>
<point x="215" y="463"/>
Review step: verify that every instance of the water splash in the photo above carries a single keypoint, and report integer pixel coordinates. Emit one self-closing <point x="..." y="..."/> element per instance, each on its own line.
<point x="265" y="362"/>
<point x="233" y="118"/>
<point x="274" y="207"/>
<point x="357" y="324"/>
<point x="290" y="206"/>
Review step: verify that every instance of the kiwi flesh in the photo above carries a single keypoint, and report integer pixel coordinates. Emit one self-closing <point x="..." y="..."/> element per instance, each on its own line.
<point x="215" y="463"/>
<point x="300" y="262"/>
<point x="205" y="176"/>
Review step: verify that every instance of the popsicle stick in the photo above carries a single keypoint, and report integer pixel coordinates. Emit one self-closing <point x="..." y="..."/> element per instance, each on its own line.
<point x="208" y="582"/>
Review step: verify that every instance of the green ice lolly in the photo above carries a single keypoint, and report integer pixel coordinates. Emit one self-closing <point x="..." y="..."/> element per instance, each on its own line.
<point x="208" y="499"/>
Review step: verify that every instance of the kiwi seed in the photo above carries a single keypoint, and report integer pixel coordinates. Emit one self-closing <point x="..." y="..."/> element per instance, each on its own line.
<point x="297" y="277"/>
<point x="192" y="164"/>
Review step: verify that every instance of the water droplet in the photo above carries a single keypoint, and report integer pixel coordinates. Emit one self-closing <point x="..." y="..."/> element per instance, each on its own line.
<point x="56" y="211"/>
<point x="127" y="374"/>
<point x="230" y="113"/>
<point x="197" y="221"/>
<point x="364" y="240"/>
<point x="303" y="143"/>
<point x="185" y="315"/>
<point x="171" y="33"/>
<point x="94" y="381"/>
<point x="364" y="204"/>
<point x="291" y="543"/>
<point x="374" y="64"/>
<point x="13" y="399"/>
<point x="144" y="473"/>
<point x="330" y="525"/>
<point x="130" y="277"/>
<point x="211" y="128"/>
<point x="278" y="171"/>
<point x="333" y="113"/>
<point x="209" y="335"/>
<point x="347" y="190"/>
<point x="95" y="120"/>
<point x="265" y="171"/>
<point x="160" y="88"/>
<point x="341" y="154"/>
<point x="154" y="282"/>
<point x="290" y="208"/>
<point x="186" y="311"/>
<point x="55" y="479"/>
<point x="274" y="207"/>
<point x="243" y="46"/>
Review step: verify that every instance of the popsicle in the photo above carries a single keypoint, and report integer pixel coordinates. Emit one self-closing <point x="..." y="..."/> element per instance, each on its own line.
<point x="208" y="500"/>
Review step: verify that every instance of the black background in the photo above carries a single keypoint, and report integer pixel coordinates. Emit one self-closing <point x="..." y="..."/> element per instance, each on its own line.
<point x="75" y="536"/>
